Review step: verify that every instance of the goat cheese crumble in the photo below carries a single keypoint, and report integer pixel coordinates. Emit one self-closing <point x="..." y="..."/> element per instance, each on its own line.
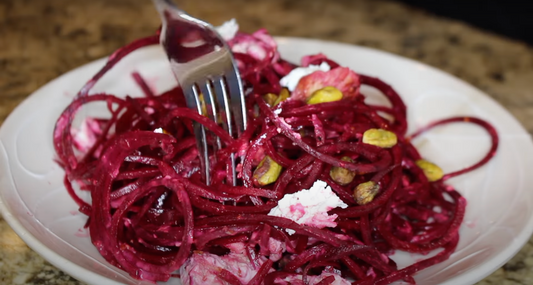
<point x="310" y="206"/>
<point x="203" y="268"/>
<point x="228" y="29"/>
<point x="291" y="80"/>
<point x="311" y="279"/>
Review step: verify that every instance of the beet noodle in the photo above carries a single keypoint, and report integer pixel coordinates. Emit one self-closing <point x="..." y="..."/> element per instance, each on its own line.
<point x="151" y="212"/>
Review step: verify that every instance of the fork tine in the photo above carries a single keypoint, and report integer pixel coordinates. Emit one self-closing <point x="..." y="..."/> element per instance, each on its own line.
<point x="209" y="100"/>
<point x="192" y="97"/>
<point x="203" y="151"/>
<point x="236" y="94"/>
<point x="238" y="109"/>
<point x="211" y="107"/>
<point x="223" y="99"/>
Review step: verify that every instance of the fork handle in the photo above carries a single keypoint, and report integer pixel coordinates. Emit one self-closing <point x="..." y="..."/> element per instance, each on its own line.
<point x="166" y="5"/>
<point x="183" y="37"/>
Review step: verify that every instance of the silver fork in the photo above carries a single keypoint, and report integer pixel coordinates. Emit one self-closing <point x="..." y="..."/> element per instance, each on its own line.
<point x="203" y="64"/>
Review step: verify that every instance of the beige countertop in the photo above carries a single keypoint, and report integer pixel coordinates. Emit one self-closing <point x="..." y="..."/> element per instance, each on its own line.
<point x="40" y="40"/>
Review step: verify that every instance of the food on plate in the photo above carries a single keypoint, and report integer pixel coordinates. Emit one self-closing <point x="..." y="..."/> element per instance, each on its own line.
<point x="328" y="186"/>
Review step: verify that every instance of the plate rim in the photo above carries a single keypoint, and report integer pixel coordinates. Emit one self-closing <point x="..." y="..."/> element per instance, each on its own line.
<point x="85" y="275"/>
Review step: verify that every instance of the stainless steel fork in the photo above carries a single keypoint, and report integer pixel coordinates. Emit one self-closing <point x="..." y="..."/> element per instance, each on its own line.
<point x="206" y="71"/>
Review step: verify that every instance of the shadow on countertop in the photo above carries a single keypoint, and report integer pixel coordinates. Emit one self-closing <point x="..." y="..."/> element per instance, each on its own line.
<point x="510" y="18"/>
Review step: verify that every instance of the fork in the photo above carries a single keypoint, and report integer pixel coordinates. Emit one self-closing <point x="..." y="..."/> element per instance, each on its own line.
<point x="204" y="66"/>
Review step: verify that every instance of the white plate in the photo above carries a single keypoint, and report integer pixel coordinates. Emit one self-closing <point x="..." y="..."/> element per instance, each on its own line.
<point x="498" y="220"/>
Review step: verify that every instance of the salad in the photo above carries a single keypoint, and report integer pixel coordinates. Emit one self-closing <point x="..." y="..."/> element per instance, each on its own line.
<point x="328" y="187"/>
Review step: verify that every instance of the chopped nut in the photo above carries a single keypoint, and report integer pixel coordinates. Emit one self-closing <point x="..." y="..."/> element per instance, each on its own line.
<point x="365" y="192"/>
<point x="267" y="171"/>
<point x="283" y="95"/>
<point x="326" y="94"/>
<point x="431" y="170"/>
<point x="203" y="106"/>
<point x="380" y="137"/>
<point x="270" y="99"/>
<point x="341" y="175"/>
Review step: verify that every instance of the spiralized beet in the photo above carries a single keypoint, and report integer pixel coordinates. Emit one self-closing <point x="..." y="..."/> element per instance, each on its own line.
<point x="150" y="210"/>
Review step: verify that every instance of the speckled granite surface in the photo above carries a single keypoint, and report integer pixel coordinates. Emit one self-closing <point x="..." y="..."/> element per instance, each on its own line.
<point x="40" y="40"/>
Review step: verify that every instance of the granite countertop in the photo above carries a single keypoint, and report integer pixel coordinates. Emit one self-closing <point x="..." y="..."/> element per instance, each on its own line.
<point x="40" y="40"/>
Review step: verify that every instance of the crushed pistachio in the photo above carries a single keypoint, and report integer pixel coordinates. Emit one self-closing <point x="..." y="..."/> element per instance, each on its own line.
<point x="203" y="105"/>
<point x="270" y="99"/>
<point x="431" y="170"/>
<point x="380" y="137"/>
<point x="283" y="95"/>
<point x="365" y="192"/>
<point x="323" y="95"/>
<point x="267" y="171"/>
<point x="341" y="175"/>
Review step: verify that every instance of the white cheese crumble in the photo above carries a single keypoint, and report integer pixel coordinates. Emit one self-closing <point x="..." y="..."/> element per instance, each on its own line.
<point x="291" y="80"/>
<point x="228" y="30"/>
<point x="158" y="130"/>
<point x="309" y="207"/>
<point x="203" y="268"/>
<point x="312" y="279"/>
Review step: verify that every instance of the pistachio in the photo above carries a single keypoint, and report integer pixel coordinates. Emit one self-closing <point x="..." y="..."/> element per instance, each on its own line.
<point x="283" y="95"/>
<point x="380" y="137"/>
<point x="431" y="170"/>
<point x="203" y="106"/>
<point x="365" y="192"/>
<point x="326" y="94"/>
<point x="341" y="175"/>
<point x="270" y="98"/>
<point x="267" y="171"/>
